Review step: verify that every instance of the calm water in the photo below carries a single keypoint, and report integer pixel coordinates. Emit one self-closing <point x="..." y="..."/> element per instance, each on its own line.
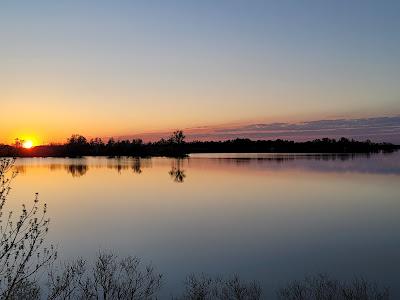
<point x="272" y="218"/>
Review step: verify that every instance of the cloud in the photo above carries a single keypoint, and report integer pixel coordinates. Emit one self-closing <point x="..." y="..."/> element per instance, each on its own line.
<point x="379" y="129"/>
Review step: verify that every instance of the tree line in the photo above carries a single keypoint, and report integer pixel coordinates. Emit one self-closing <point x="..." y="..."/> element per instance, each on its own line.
<point x="176" y="146"/>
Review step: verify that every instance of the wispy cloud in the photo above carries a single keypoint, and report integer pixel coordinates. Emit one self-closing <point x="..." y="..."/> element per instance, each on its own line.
<point x="376" y="129"/>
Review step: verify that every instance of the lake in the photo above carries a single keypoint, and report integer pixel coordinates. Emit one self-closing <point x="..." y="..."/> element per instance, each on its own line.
<point x="268" y="217"/>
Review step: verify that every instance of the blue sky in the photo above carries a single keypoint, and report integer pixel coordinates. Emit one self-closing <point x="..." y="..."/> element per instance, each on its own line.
<point x="125" y="67"/>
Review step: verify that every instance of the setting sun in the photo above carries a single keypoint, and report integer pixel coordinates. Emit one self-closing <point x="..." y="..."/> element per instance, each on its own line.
<point x="200" y="149"/>
<point x="27" y="144"/>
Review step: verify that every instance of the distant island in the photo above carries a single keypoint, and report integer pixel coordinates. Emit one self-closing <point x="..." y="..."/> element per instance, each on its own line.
<point x="176" y="146"/>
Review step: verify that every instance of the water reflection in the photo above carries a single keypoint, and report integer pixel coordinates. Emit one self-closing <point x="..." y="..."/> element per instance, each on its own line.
<point x="269" y="217"/>
<point x="177" y="172"/>
<point x="78" y="167"/>
<point x="137" y="166"/>
<point x="384" y="163"/>
<point x="77" y="170"/>
<point x="340" y="163"/>
<point x="20" y="169"/>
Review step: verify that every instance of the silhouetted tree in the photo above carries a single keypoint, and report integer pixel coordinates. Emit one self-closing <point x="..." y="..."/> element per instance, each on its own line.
<point x="22" y="249"/>
<point x="111" y="278"/>
<point x="204" y="287"/>
<point x="96" y="146"/>
<point x="177" y="137"/>
<point x="175" y="144"/>
<point x="322" y="287"/>
<point x="18" y="143"/>
<point x="77" y="145"/>
<point x="77" y="140"/>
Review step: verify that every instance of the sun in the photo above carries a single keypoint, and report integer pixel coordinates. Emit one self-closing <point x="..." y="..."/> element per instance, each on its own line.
<point x="27" y="144"/>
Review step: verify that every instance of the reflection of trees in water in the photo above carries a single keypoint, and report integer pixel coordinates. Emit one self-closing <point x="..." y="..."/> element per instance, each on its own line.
<point x="77" y="170"/>
<point x="137" y="165"/>
<point x="55" y="167"/>
<point x="288" y="157"/>
<point x="20" y="169"/>
<point x="120" y="164"/>
<point x="79" y="167"/>
<point x="120" y="167"/>
<point x="117" y="166"/>
<point x="177" y="172"/>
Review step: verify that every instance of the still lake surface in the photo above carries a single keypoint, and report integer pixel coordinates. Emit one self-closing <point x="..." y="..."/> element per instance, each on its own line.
<point x="268" y="217"/>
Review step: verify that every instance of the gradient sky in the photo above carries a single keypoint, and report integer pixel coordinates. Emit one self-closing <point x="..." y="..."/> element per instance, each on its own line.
<point x="104" y="68"/>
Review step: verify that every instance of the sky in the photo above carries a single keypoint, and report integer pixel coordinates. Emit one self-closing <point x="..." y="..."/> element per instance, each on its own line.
<point x="122" y="68"/>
